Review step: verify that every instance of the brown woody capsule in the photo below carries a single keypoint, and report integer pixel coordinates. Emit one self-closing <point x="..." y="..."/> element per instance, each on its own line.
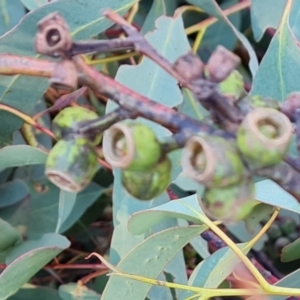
<point x="189" y="66"/>
<point x="53" y="37"/>
<point x="221" y="63"/>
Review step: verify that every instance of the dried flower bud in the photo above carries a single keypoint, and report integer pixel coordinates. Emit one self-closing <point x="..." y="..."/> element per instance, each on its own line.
<point x="221" y="63"/>
<point x="53" y="37"/>
<point x="189" y="66"/>
<point x="291" y="104"/>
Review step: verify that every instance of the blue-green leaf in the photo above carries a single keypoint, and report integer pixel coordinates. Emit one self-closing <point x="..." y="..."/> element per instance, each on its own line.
<point x="25" y="260"/>
<point x="34" y="4"/>
<point x="75" y="291"/>
<point x="148" y="259"/>
<point x="264" y="15"/>
<point x="21" y="155"/>
<point x="271" y="193"/>
<point x="280" y="66"/>
<point x="66" y="203"/>
<point x="12" y="192"/>
<point x="213" y="9"/>
<point x="185" y="208"/>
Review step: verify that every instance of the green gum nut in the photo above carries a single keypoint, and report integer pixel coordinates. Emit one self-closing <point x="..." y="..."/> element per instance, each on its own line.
<point x="69" y="118"/>
<point x="232" y="203"/>
<point x="71" y="164"/>
<point x="131" y="146"/>
<point x="146" y="185"/>
<point x="212" y="161"/>
<point x="233" y="86"/>
<point x="263" y="137"/>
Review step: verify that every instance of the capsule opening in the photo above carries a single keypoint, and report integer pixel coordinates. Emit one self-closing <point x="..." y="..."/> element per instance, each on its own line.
<point x="198" y="160"/>
<point x="63" y="181"/>
<point x="118" y="145"/>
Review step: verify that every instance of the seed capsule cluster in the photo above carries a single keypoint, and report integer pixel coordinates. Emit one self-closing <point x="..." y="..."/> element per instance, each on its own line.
<point x="222" y="165"/>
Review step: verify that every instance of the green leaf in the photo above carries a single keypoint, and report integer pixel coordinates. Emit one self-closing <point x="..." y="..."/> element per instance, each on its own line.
<point x="75" y="291"/>
<point x="9" y="236"/>
<point x="282" y="60"/>
<point x="212" y="271"/>
<point x="148" y="259"/>
<point x="83" y="201"/>
<point x="259" y="213"/>
<point x="32" y="292"/>
<point x="199" y="244"/>
<point x="213" y="9"/>
<point x="270" y="193"/>
<point x="48" y="240"/>
<point x="21" y="155"/>
<point x="158" y="8"/>
<point x="66" y="203"/>
<point x="191" y="107"/>
<point x="218" y="34"/>
<point x="185" y="208"/>
<point x="43" y="208"/>
<point x="27" y="259"/>
<point x="264" y="15"/>
<point x="148" y="78"/>
<point x="33" y="4"/>
<point x="240" y="231"/>
<point x="22" y="92"/>
<point x="12" y="192"/>
<point x="11" y="12"/>
<point x="291" y="251"/>
<point x="292" y="280"/>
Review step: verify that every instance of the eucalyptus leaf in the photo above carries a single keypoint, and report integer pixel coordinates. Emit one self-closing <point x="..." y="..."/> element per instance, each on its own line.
<point x="158" y="8"/>
<point x="34" y="4"/>
<point x="264" y="15"/>
<point x="148" y="259"/>
<point x="12" y="192"/>
<point x="21" y="155"/>
<point x="33" y="292"/>
<point x="271" y="193"/>
<point x="28" y="258"/>
<point x="9" y="236"/>
<point x="292" y="280"/>
<point x="291" y="251"/>
<point x="11" y="12"/>
<point x="66" y="203"/>
<point x="282" y="59"/>
<point x="185" y="208"/>
<point x="43" y="207"/>
<point x="212" y="271"/>
<point x="75" y="291"/>
<point x="212" y="8"/>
